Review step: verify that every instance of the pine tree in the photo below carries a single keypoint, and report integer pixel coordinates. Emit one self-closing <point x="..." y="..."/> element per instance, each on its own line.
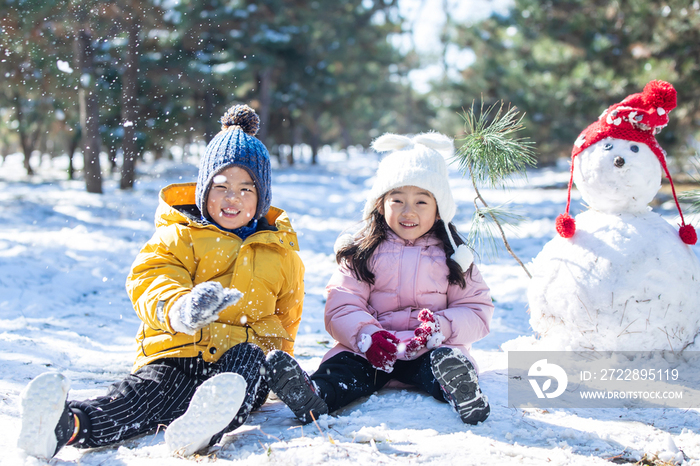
<point x="565" y="61"/>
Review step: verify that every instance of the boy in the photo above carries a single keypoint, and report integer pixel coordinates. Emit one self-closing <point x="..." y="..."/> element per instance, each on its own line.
<point x="202" y="342"/>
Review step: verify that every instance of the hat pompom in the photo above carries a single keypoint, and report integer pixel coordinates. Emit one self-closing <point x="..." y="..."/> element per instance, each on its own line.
<point x="463" y="256"/>
<point x="688" y="234"/>
<point x="660" y="94"/>
<point x="241" y="116"/>
<point x="566" y="225"/>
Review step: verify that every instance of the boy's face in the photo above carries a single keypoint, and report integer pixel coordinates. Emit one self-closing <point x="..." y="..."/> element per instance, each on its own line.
<point x="409" y="211"/>
<point x="232" y="199"/>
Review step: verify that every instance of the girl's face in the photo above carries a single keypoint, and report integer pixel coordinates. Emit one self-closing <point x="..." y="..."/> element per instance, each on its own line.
<point x="409" y="211"/>
<point x="232" y="198"/>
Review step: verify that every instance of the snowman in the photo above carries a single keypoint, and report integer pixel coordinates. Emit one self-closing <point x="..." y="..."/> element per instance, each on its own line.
<point x="619" y="277"/>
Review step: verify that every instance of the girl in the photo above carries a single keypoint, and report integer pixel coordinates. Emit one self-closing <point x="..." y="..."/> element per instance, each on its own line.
<point x="406" y="302"/>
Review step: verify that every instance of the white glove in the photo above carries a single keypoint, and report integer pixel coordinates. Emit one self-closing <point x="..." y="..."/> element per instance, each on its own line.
<point x="201" y="306"/>
<point x="427" y="335"/>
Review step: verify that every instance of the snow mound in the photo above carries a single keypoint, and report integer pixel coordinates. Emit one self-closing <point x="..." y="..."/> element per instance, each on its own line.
<point x="624" y="282"/>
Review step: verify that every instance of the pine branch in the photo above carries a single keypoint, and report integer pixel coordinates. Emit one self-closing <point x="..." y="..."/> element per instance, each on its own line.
<point x="692" y="198"/>
<point x="488" y="221"/>
<point x="491" y="155"/>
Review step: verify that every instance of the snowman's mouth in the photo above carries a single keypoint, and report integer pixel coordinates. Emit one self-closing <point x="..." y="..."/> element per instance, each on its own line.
<point x="619" y="162"/>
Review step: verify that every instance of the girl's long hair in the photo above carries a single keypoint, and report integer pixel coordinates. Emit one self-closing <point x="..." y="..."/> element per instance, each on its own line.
<point x="357" y="254"/>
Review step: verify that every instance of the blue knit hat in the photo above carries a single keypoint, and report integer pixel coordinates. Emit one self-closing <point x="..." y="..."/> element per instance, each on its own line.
<point x="236" y="146"/>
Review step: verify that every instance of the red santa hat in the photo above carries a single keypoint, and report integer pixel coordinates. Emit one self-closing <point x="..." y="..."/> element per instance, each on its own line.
<point x="638" y="118"/>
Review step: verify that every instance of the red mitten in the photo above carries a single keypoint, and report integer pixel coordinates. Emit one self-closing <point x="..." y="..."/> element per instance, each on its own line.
<point x="413" y="346"/>
<point x="427" y="335"/>
<point x="380" y="349"/>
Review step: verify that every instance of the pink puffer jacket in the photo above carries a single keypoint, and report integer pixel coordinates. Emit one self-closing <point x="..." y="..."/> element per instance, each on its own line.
<point x="408" y="278"/>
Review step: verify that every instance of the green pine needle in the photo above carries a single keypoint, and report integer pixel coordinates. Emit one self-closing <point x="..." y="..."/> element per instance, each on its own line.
<point x="489" y="153"/>
<point x="484" y="234"/>
<point x="692" y="198"/>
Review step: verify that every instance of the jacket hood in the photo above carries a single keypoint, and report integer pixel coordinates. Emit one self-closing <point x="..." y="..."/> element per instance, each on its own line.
<point x="176" y="205"/>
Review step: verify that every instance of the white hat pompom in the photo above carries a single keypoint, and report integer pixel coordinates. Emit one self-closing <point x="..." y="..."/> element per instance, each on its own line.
<point x="463" y="256"/>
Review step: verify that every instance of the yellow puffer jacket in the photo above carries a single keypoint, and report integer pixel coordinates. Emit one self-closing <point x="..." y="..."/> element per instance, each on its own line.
<point x="183" y="252"/>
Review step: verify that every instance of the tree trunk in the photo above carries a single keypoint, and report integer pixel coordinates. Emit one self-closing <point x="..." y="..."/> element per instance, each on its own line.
<point x="4" y="150"/>
<point x="296" y="141"/>
<point x="89" y="111"/>
<point x="158" y="151"/>
<point x="345" y="134"/>
<point x="209" y="123"/>
<point x="315" y="138"/>
<point x="72" y="147"/>
<point x="130" y="108"/>
<point x="24" y="140"/>
<point x="112" y="152"/>
<point x="265" y="103"/>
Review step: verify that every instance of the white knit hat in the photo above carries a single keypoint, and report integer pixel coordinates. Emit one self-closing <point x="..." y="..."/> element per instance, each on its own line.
<point x="416" y="162"/>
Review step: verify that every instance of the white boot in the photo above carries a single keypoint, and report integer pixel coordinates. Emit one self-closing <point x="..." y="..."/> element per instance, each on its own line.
<point x="212" y="408"/>
<point x="43" y="402"/>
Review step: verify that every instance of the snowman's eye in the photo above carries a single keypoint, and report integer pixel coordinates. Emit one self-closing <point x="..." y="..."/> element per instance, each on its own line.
<point x="608" y="146"/>
<point x="634" y="149"/>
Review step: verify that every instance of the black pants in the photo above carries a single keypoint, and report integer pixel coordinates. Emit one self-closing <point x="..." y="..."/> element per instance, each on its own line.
<point x="346" y="377"/>
<point x="160" y="392"/>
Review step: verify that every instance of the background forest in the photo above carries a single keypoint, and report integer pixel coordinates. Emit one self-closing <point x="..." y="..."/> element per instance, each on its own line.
<point x="130" y="77"/>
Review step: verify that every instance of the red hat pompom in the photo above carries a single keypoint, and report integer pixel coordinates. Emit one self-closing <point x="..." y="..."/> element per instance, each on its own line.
<point x="688" y="234"/>
<point x="566" y="225"/>
<point x="659" y="94"/>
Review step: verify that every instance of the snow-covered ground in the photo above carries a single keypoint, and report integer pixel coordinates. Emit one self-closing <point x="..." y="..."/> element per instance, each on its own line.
<point x="65" y="254"/>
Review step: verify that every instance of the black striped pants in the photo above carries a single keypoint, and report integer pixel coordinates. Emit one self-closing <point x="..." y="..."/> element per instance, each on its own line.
<point x="160" y="392"/>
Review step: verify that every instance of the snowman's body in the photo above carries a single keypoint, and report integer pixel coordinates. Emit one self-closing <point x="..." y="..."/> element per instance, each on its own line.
<point x="625" y="281"/>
